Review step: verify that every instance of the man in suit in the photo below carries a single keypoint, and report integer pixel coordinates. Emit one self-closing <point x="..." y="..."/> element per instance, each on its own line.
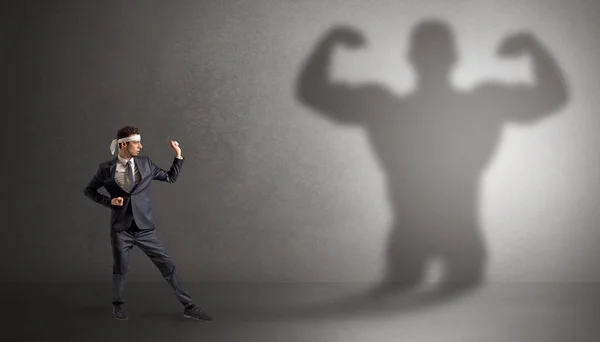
<point x="127" y="179"/>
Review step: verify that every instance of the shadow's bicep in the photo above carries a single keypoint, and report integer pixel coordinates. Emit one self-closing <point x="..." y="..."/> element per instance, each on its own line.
<point x="518" y="103"/>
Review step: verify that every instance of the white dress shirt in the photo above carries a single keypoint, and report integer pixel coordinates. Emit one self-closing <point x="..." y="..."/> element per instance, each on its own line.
<point x="122" y="175"/>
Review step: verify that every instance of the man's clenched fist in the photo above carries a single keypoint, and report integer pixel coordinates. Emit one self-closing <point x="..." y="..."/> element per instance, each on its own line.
<point x="117" y="201"/>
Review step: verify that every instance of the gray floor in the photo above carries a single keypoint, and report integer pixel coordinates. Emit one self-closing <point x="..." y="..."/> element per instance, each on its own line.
<point x="303" y="312"/>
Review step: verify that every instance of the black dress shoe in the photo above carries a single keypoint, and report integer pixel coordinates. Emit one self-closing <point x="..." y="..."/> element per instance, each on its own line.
<point x="196" y="313"/>
<point x="119" y="312"/>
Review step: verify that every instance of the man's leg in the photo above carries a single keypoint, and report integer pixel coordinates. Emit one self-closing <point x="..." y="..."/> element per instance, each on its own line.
<point x="148" y="242"/>
<point x="121" y="243"/>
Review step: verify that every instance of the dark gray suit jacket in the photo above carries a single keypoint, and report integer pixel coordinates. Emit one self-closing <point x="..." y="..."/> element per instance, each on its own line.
<point x="137" y="203"/>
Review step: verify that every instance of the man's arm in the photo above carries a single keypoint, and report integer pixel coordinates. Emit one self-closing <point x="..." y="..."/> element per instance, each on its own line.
<point x="91" y="190"/>
<point x="167" y="176"/>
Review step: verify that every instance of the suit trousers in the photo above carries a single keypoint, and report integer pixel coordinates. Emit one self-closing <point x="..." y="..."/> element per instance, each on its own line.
<point x="146" y="240"/>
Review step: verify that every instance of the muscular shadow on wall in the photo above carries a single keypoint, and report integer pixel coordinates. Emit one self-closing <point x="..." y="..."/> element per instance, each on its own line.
<point x="433" y="146"/>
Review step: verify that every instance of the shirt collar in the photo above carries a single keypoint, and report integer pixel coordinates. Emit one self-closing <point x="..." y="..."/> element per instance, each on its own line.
<point x="124" y="161"/>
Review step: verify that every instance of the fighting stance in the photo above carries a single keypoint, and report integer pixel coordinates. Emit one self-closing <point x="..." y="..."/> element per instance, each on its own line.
<point x="127" y="179"/>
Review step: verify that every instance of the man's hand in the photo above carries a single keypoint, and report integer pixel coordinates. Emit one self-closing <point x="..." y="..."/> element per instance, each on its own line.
<point x="175" y="146"/>
<point x="117" y="201"/>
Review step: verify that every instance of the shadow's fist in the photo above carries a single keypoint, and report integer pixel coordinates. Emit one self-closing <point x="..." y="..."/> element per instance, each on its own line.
<point x="347" y="36"/>
<point x="516" y="45"/>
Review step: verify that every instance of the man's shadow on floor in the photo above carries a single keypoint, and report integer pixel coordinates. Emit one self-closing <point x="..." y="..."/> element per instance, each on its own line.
<point x="433" y="146"/>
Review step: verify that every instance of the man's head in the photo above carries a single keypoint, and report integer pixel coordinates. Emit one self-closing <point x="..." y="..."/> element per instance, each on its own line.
<point x="129" y="149"/>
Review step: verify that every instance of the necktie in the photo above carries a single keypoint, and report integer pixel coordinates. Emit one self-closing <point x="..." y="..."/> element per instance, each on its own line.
<point x="130" y="171"/>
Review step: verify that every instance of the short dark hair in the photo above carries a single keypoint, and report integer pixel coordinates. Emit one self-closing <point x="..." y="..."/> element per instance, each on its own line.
<point x="127" y="131"/>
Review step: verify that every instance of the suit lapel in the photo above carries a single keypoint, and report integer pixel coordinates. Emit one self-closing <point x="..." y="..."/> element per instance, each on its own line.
<point x="140" y="169"/>
<point x="113" y="169"/>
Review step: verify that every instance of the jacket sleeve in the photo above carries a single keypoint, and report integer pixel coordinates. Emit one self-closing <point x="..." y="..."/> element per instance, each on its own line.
<point x="166" y="176"/>
<point x="91" y="190"/>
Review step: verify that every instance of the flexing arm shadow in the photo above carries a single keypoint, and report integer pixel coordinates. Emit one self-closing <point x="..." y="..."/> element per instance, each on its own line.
<point x="523" y="103"/>
<point x="338" y="102"/>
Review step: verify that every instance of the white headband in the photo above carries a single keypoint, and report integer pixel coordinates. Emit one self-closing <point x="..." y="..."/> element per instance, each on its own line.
<point x="113" y="144"/>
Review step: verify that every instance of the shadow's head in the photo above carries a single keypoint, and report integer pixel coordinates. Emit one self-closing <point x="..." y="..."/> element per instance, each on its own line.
<point x="432" y="50"/>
